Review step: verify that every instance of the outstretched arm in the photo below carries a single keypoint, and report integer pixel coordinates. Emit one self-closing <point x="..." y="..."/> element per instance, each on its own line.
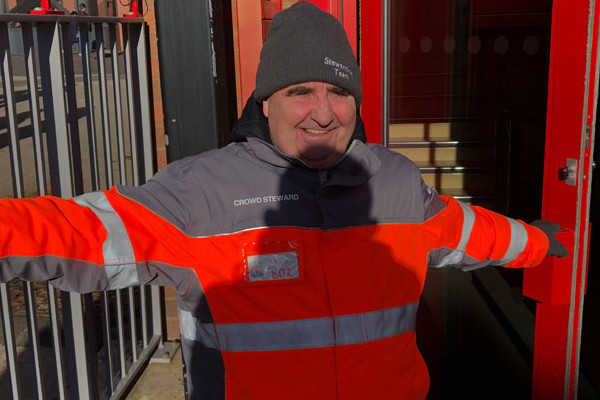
<point x="97" y="241"/>
<point x="471" y="237"/>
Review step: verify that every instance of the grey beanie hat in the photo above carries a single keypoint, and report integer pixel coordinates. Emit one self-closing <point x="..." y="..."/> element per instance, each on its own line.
<point x="306" y="44"/>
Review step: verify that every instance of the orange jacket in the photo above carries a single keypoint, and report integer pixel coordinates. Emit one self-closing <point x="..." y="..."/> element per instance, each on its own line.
<point x="292" y="283"/>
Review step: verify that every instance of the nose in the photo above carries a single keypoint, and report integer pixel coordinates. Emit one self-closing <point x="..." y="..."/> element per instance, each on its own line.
<point x="322" y="112"/>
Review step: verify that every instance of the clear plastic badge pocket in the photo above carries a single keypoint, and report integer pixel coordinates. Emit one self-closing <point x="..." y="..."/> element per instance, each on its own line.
<point x="272" y="262"/>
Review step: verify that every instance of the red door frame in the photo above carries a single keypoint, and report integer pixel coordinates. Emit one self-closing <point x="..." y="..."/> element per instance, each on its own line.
<point x="559" y="284"/>
<point x="372" y="56"/>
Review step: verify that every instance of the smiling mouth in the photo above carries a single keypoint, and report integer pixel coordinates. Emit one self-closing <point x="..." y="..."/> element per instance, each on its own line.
<point x="317" y="131"/>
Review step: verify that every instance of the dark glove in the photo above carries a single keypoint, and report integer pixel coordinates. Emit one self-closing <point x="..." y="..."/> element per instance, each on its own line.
<point x="556" y="248"/>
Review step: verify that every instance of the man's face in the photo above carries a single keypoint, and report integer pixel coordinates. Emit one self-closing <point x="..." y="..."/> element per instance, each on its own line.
<point x="311" y="121"/>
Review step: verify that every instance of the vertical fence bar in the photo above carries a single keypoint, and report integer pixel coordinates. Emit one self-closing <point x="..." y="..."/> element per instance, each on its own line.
<point x="15" y="156"/>
<point x="144" y="314"/>
<point x="34" y="106"/>
<point x="55" y="109"/>
<point x="89" y="323"/>
<point x="109" y="358"/>
<point x="121" y="334"/>
<point x="9" y="341"/>
<point x="11" y="111"/>
<point x="144" y="99"/>
<point x="139" y="38"/>
<point x="131" y="103"/>
<point x="60" y="174"/>
<point x="56" y="342"/>
<point x="33" y="337"/>
<point x="83" y="376"/>
<point x="32" y="84"/>
<point x="133" y="325"/>
<point x="104" y="103"/>
<point x="67" y="34"/>
<point x="84" y="43"/>
<point x="117" y="96"/>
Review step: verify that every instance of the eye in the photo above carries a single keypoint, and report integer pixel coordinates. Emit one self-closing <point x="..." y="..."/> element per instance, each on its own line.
<point x="339" y="91"/>
<point x="298" y="91"/>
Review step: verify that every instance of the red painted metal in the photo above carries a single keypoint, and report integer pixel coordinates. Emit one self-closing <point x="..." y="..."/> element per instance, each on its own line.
<point x="345" y="11"/>
<point x="371" y="63"/>
<point x="348" y="18"/>
<point x="549" y="354"/>
<point x="270" y="8"/>
<point x="559" y="284"/>
<point x="45" y="9"/>
<point x="250" y="40"/>
<point x="325" y="5"/>
<point x="133" y="11"/>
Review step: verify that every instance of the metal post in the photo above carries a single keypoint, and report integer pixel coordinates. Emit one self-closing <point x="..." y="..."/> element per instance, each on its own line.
<point x="132" y="324"/>
<point x="121" y="335"/>
<point x="60" y="174"/>
<point x="11" y="111"/>
<point x="104" y="103"/>
<point x="117" y="94"/>
<point x="89" y="104"/>
<point x="9" y="341"/>
<point x="83" y="376"/>
<point x="56" y="342"/>
<point x="34" y="106"/>
<point x="131" y="112"/>
<point x="139" y="36"/>
<point x="107" y="341"/>
<point x="33" y="337"/>
<point x="67" y="34"/>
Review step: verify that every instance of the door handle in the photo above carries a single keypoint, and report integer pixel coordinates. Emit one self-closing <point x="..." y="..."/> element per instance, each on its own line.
<point x="569" y="172"/>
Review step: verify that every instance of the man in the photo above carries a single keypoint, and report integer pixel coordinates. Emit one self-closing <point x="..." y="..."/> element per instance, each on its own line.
<point x="298" y="252"/>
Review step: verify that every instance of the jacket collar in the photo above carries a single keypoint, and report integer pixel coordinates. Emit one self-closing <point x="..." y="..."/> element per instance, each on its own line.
<point x="355" y="167"/>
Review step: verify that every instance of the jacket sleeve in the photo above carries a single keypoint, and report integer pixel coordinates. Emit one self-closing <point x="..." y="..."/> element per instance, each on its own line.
<point x="97" y="241"/>
<point x="470" y="237"/>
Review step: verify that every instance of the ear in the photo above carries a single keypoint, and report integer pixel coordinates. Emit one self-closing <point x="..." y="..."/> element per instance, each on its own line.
<point x="265" y="105"/>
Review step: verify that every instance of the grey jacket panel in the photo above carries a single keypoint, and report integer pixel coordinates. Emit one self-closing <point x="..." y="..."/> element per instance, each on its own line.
<point x="65" y="274"/>
<point x="190" y="294"/>
<point x="252" y="184"/>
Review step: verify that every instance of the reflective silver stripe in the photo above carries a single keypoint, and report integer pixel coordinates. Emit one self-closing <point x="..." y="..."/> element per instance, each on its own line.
<point x="117" y="250"/>
<point x="281" y="335"/>
<point x="456" y="256"/>
<point x="360" y="328"/>
<point x="518" y="241"/>
<point x="300" y="334"/>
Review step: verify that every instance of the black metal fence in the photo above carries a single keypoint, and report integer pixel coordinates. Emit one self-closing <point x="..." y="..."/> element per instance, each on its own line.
<point x="74" y="117"/>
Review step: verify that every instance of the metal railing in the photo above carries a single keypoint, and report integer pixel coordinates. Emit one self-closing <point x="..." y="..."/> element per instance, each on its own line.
<point x="90" y="130"/>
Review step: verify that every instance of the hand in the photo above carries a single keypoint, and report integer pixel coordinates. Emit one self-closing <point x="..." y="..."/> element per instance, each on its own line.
<point x="556" y="248"/>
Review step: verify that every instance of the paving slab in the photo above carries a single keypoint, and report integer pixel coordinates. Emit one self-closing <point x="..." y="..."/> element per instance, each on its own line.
<point x="160" y="381"/>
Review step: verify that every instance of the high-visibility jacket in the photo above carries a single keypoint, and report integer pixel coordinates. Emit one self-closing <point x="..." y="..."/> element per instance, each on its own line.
<point x="292" y="283"/>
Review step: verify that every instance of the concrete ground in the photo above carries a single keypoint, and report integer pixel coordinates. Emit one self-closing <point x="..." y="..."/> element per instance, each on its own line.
<point x="160" y="381"/>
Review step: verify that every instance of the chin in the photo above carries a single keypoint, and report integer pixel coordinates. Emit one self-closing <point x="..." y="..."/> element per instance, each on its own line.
<point x="322" y="163"/>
